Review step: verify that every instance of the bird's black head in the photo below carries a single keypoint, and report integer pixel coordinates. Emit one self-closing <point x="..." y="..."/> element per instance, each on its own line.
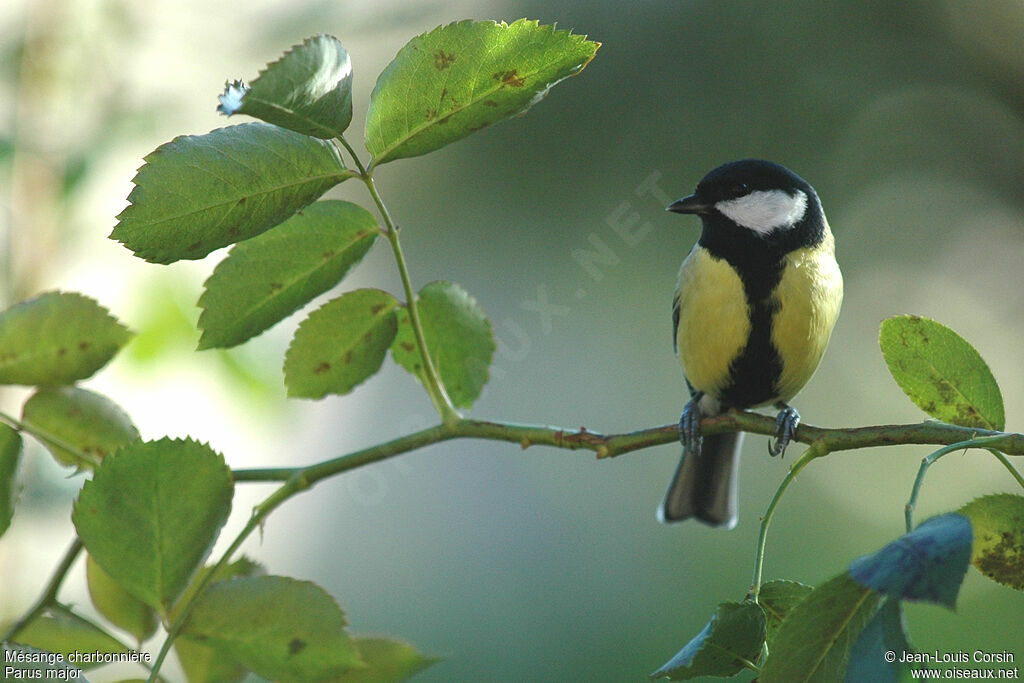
<point x="753" y="202"/>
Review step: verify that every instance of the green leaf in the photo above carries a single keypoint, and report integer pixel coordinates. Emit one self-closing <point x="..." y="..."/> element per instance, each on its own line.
<point x="278" y="627"/>
<point x="777" y="599"/>
<point x="458" y="335"/>
<point x="927" y="564"/>
<point x="10" y="455"/>
<point x="267" y="278"/>
<point x="387" y="661"/>
<point x="736" y="632"/>
<point x="308" y="90"/>
<point x="57" y="338"/>
<point x="118" y="606"/>
<point x="885" y="633"/>
<point x="340" y="344"/>
<point x="445" y="84"/>
<point x="198" y="193"/>
<point x="941" y="372"/>
<point x="200" y="661"/>
<point x="91" y="423"/>
<point x="66" y="633"/>
<point x="816" y="638"/>
<point x="998" y="524"/>
<point x="242" y="567"/>
<point x="151" y="513"/>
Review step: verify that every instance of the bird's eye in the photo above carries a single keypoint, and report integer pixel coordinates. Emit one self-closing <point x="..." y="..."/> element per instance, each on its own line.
<point x="739" y="189"/>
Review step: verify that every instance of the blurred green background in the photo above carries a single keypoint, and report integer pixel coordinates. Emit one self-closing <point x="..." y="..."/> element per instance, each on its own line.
<point x="544" y="565"/>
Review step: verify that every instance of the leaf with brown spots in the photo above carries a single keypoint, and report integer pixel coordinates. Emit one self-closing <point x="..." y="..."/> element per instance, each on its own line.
<point x="277" y="627"/>
<point x="340" y="344"/>
<point x="459" y="337"/>
<point x="998" y="523"/>
<point x="456" y="79"/>
<point x="941" y="372"/>
<point x="57" y="338"/>
<point x="89" y="422"/>
<point x="266" y="279"/>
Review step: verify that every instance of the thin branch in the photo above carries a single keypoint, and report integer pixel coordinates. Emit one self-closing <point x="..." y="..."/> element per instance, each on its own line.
<point x="613" y="445"/>
<point x="49" y="597"/>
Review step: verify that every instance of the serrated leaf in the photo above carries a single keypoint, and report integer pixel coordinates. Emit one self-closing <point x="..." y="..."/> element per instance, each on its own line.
<point x="91" y="423"/>
<point x="151" y="513"/>
<point x="927" y="564"/>
<point x="118" y="606"/>
<point x="816" y="638"/>
<point x="66" y="633"/>
<point x="340" y="344"/>
<point x="267" y="278"/>
<point x="885" y="633"/>
<point x="941" y="372"/>
<point x="387" y="661"/>
<point x="10" y="456"/>
<point x="57" y="338"/>
<point x="777" y="599"/>
<point x="459" y="337"/>
<point x="454" y="80"/>
<point x="735" y="632"/>
<point x="308" y="90"/>
<point x="280" y="628"/>
<point x="28" y="663"/>
<point x="998" y="524"/>
<point x="198" y="193"/>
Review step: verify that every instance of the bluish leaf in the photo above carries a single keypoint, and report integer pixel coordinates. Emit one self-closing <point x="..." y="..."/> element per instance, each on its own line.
<point x="928" y="564"/>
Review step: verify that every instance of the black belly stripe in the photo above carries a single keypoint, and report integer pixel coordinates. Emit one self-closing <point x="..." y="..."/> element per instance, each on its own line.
<point x="756" y="371"/>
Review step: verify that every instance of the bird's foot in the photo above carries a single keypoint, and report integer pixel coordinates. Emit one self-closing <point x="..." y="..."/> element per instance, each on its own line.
<point x="785" y="427"/>
<point x="689" y="425"/>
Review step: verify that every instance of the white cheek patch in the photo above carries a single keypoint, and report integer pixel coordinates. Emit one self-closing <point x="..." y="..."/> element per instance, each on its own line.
<point x="765" y="210"/>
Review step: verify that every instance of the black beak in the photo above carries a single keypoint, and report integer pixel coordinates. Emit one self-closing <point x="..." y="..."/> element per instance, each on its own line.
<point x="688" y="205"/>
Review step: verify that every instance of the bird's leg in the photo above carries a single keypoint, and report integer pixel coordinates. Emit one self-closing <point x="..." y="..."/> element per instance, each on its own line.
<point x="689" y="424"/>
<point x="785" y="426"/>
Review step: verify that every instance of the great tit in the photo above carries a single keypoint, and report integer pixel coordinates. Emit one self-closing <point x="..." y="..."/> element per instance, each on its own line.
<point x="757" y="298"/>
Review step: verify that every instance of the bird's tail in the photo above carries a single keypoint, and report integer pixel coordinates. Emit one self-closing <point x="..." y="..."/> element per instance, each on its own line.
<point x="705" y="486"/>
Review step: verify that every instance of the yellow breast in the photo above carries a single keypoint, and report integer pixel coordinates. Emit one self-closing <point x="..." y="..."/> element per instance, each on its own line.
<point x="809" y="296"/>
<point x="714" y="321"/>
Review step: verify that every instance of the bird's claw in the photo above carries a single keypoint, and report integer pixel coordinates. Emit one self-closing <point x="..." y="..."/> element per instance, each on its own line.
<point x="689" y="425"/>
<point x="785" y="427"/>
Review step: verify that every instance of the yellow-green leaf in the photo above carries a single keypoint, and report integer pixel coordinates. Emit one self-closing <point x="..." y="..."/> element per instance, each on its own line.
<point x="92" y="424"/>
<point x="57" y="338"/>
<point x="10" y="456"/>
<point x="151" y="513"/>
<point x="117" y="605"/>
<point x="267" y="278"/>
<point x="340" y="344"/>
<point x="280" y="628"/>
<point x="454" y="80"/>
<point x="459" y="337"/>
<point x="941" y="372"/>
<point x="998" y="524"/>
